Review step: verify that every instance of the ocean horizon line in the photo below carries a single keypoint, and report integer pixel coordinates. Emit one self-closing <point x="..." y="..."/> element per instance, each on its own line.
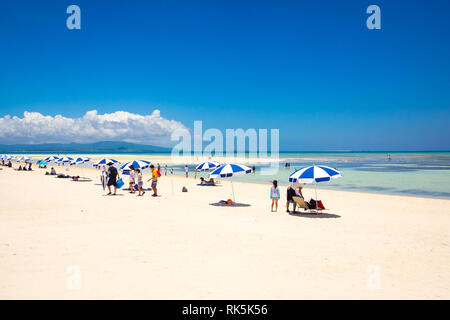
<point x="236" y="153"/>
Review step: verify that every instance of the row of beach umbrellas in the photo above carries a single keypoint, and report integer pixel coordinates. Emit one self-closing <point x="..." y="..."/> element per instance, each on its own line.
<point x="312" y="174"/>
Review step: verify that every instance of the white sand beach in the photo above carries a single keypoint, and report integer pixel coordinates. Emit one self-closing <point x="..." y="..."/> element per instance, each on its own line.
<point x="61" y="239"/>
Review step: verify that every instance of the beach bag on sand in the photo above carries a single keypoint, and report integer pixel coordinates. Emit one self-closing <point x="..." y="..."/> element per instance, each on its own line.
<point x="320" y="205"/>
<point x="184" y="189"/>
<point x="312" y="204"/>
<point x="120" y="183"/>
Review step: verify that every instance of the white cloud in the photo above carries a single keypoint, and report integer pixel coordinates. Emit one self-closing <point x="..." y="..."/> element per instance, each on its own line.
<point x="118" y="126"/>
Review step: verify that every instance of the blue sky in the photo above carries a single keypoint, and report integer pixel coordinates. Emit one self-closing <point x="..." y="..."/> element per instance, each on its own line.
<point x="309" y="68"/>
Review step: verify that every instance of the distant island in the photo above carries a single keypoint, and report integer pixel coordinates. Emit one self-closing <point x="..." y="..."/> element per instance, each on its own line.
<point x="97" y="147"/>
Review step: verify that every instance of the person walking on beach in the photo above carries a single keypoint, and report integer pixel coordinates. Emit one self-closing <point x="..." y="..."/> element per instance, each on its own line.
<point x="132" y="179"/>
<point x="154" y="180"/>
<point x="113" y="175"/>
<point x="165" y="169"/>
<point x="140" y="183"/>
<point x="186" y="169"/>
<point x="274" y="195"/>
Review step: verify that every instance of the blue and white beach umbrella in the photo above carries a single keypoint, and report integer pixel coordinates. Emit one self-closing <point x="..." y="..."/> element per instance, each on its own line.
<point x="314" y="174"/>
<point x="51" y="158"/>
<point x="229" y="170"/>
<point x="137" y="164"/>
<point x="24" y="158"/>
<point x="104" y="162"/>
<point x="64" y="159"/>
<point x="79" y="160"/>
<point x="6" y="157"/>
<point x="206" y="166"/>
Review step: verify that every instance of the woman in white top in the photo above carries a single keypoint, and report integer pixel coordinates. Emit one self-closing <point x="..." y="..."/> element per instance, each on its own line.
<point x="132" y="180"/>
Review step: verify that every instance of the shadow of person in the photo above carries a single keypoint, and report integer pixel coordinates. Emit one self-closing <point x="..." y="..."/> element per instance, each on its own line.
<point x="314" y="216"/>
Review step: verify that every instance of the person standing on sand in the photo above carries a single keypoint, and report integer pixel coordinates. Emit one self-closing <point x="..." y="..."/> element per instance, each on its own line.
<point x="154" y="180"/>
<point x="113" y="175"/>
<point x="132" y="179"/>
<point x="165" y="169"/>
<point x="140" y="182"/>
<point x="186" y="169"/>
<point x="274" y="195"/>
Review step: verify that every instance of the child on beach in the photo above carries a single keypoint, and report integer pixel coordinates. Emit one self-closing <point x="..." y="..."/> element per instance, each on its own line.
<point x="140" y="182"/>
<point x="275" y="194"/>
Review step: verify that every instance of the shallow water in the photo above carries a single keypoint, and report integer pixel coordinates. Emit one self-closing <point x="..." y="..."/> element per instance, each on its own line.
<point x="425" y="174"/>
<point x="415" y="174"/>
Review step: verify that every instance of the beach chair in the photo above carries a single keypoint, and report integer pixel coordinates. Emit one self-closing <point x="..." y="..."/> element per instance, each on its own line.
<point x="302" y="204"/>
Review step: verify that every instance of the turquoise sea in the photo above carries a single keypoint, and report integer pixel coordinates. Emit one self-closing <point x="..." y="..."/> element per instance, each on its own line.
<point x="425" y="174"/>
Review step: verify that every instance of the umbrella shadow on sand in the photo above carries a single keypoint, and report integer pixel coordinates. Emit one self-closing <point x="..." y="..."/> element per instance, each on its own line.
<point x="314" y="216"/>
<point x="218" y="204"/>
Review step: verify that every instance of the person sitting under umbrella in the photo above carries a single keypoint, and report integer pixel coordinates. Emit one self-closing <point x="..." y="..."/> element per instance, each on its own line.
<point x="295" y="189"/>
<point x="203" y="181"/>
<point x="289" y="194"/>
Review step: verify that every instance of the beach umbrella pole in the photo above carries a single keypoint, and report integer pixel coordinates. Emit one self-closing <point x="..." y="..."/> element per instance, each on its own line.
<point x="232" y="190"/>
<point x="315" y="187"/>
